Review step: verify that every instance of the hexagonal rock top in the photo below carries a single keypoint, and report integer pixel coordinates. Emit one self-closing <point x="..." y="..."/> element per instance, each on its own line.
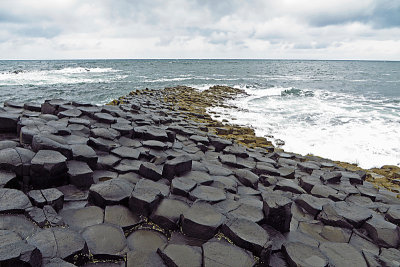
<point x="181" y="255"/>
<point x="221" y="253"/>
<point x="48" y="163"/>
<point x="59" y="242"/>
<point x="201" y="221"/>
<point x="207" y="193"/>
<point x="146" y="240"/>
<point x="248" y="235"/>
<point x="105" y="241"/>
<point x="16" y="159"/>
<point x="110" y="192"/>
<point x="13" y="201"/>
<point x="81" y="218"/>
<point x="299" y="254"/>
<point x="168" y="213"/>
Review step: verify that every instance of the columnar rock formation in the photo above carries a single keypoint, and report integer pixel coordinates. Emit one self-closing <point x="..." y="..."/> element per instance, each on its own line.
<point x="139" y="184"/>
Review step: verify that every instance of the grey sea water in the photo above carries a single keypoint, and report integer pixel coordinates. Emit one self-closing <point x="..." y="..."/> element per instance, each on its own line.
<point x="343" y="110"/>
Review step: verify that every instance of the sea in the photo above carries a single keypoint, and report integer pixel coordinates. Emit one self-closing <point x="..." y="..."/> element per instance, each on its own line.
<point x="341" y="110"/>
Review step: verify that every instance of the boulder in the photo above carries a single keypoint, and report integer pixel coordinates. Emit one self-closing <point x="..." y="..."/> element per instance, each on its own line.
<point x="59" y="242"/>
<point x="80" y="218"/>
<point x="277" y="210"/>
<point x="221" y="253"/>
<point x="13" y="201"/>
<point x="181" y="255"/>
<point x="110" y="192"/>
<point x="201" y="221"/>
<point x="105" y="241"/>
<point x="168" y="213"/>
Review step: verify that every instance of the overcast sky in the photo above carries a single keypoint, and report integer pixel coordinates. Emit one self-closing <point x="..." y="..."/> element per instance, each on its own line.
<point x="287" y="29"/>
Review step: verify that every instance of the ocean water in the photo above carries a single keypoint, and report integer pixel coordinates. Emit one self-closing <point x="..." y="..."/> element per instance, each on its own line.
<point x="342" y="110"/>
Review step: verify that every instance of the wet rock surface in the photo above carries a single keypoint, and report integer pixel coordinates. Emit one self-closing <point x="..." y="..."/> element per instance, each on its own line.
<point x="155" y="182"/>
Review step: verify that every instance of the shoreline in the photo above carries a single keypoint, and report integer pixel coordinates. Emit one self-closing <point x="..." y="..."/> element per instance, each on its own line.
<point x="152" y="180"/>
<point x="194" y="103"/>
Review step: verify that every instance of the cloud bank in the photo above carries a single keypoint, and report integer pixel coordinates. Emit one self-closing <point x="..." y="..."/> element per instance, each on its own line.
<point x="287" y="29"/>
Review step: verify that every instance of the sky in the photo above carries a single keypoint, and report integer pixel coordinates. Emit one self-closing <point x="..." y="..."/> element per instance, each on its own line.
<point x="269" y="29"/>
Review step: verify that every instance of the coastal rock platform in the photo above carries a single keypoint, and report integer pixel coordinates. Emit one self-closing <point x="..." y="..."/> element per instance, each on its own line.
<point x="150" y="181"/>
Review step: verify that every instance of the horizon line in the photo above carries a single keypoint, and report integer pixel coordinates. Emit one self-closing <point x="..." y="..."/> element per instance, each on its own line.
<point x="278" y="59"/>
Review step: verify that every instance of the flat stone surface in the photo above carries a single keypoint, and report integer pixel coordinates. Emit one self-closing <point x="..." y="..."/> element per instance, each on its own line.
<point x="247" y="178"/>
<point x="51" y="196"/>
<point x="7" y="178"/>
<point x="220" y="253"/>
<point x="57" y="262"/>
<point x="110" y="192"/>
<point x="121" y="216"/>
<point x="144" y="200"/>
<point x="182" y="186"/>
<point x="105" y="133"/>
<point x="48" y="163"/>
<point x="201" y="221"/>
<point x="383" y="233"/>
<point x="126" y="152"/>
<point x="177" y="167"/>
<point x="47" y="141"/>
<point x="168" y="212"/>
<point x="146" y="240"/>
<point x="59" y="242"/>
<point x="137" y="258"/>
<point x="16" y="160"/>
<point x="248" y="235"/>
<point x="199" y="177"/>
<point x="84" y="153"/>
<point x="181" y="255"/>
<point x="18" y="224"/>
<point x="19" y="253"/>
<point x="150" y="171"/>
<point x="105" y="241"/>
<point x="299" y="254"/>
<point x="80" y="174"/>
<point x="46" y="216"/>
<point x="81" y="218"/>
<point x="207" y="193"/>
<point x="13" y="201"/>
<point x="342" y="254"/>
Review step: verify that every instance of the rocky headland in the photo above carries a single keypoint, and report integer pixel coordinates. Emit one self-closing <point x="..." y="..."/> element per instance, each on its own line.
<point x="152" y="180"/>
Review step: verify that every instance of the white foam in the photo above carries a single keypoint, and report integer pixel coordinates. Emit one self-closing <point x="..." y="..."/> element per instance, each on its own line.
<point x="61" y="76"/>
<point x="332" y="125"/>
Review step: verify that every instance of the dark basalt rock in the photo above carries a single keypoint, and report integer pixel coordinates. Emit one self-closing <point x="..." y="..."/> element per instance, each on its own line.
<point x="121" y="216"/>
<point x="59" y="242"/>
<point x="383" y="233"/>
<point x="342" y="254"/>
<point x="277" y="210"/>
<point x="177" y="167"/>
<point x="13" y="201"/>
<point x="150" y="171"/>
<point x="103" y="144"/>
<point x="45" y="217"/>
<point x="299" y="254"/>
<point x="80" y="218"/>
<point x="146" y="240"/>
<point x="8" y="179"/>
<point x="32" y="106"/>
<point x="392" y="215"/>
<point x="79" y="174"/>
<point x="28" y="132"/>
<point x="107" y="161"/>
<point x="47" y="168"/>
<point x="18" y="224"/>
<point x="105" y="241"/>
<point x="8" y="122"/>
<point x="51" y="196"/>
<point x="331" y="177"/>
<point x="201" y="220"/>
<point x="102" y="175"/>
<point x="219" y="143"/>
<point x="70" y="113"/>
<point x="144" y="200"/>
<point x="137" y="258"/>
<point x="311" y="204"/>
<point x="155" y="144"/>
<point x="207" y="193"/>
<point x="250" y="236"/>
<point x="104" y="117"/>
<point x="8" y="144"/>
<point x="247" y="178"/>
<point x="125" y="129"/>
<point x="354" y="214"/>
<point x="168" y="213"/>
<point x="57" y="262"/>
<point x="45" y="141"/>
<point x="181" y="255"/>
<point x="110" y="192"/>
<point x="17" y="160"/>
<point x="290" y="186"/>
<point x="182" y="186"/>
<point x="84" y="153"/>
<point x="200" y="177"/>
<point x="221" y="253"/>
<point x="266" y="169"/>
<point x="19" y="253"/>
<point x="105" y="133"/>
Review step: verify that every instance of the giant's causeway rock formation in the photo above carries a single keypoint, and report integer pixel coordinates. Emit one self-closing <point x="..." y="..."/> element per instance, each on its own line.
<point x="152" y="181"/>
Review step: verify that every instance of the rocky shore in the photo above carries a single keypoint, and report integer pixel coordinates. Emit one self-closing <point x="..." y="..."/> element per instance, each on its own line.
<point x="152" y="181"/>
